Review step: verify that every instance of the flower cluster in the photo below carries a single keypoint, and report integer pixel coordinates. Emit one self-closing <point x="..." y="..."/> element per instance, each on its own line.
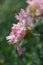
<point x="26" y="19"/>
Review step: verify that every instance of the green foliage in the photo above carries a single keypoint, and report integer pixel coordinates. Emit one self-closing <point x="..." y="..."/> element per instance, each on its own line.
<point x="32" y="48"/>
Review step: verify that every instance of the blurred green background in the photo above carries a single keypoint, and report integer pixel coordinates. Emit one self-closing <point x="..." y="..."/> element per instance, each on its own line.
<point x="32" y="49"/>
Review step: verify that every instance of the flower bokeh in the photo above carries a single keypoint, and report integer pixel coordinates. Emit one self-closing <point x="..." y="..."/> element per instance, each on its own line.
<point x="26" y="19"/>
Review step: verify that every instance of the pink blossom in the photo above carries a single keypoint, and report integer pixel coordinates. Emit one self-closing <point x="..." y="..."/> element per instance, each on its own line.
<point x="17" y="33"/>
<point x="30" y="23"/>
<point x="22" y="15"/>
<point x="30" y="20"/>
<point x="26" y="20"/>
<point x="19" y="49"/>
<point x="11" y="38"/>
<point x="35" y="7"/>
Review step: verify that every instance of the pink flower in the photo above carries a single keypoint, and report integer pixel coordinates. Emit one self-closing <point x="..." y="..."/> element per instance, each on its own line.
<point x="35" y="7"/>
<point x="30" y="23"/>
<point x="11" y="38"/>
<point x="30" y="20"/>
<point x="17" y="33"/>
<point x="22" y="15"/>
<point x="19" y="49"/>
